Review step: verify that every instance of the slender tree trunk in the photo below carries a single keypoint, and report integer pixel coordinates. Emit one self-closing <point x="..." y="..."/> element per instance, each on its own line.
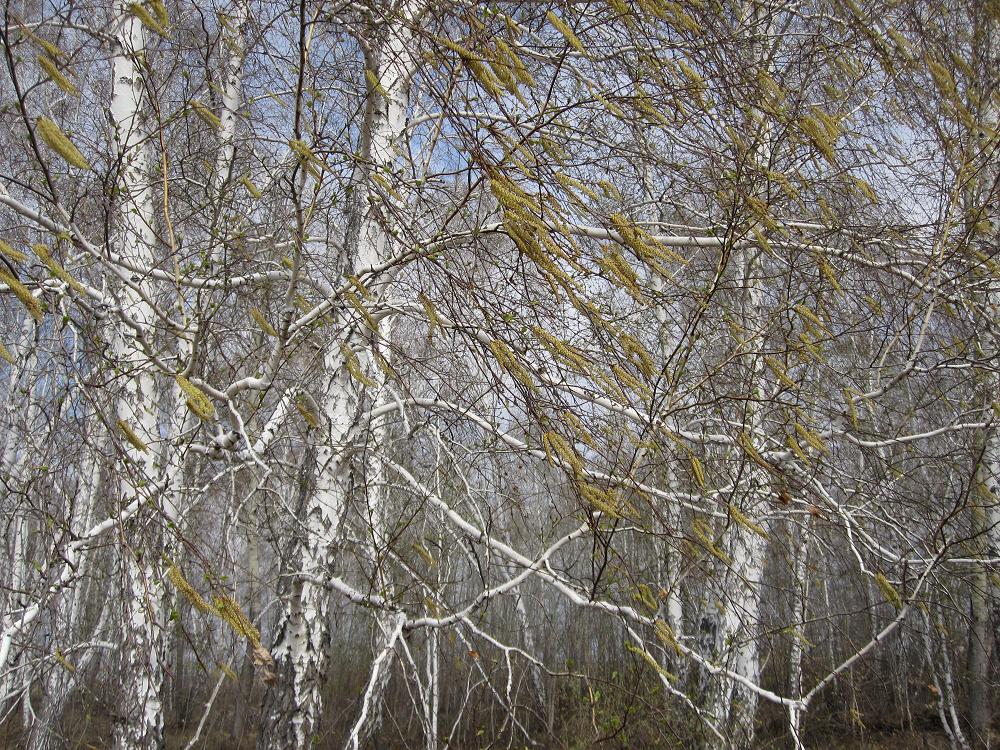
<point x="670" y="557"/>
<point x="232" y="53"/>
<point x="140" y="720"/>
<point x="293" y="705"/>
<point x="68" y="616"/>
<point x="943" y="678"/>
<point x="740" y="623"/>
<point x="800" y="578"/>
<point x="21" y="411"/>
<point x="432" y="701"/>
<point x="985" y="605"/>
<point x="979" y="659"/>
<point x="981" y="635"/>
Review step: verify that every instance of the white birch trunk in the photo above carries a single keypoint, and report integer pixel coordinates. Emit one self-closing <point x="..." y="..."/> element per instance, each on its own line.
<point x="943" y="679"/>
<point x="739" y="628"/>
<point x="670" y="557"/>
<point x="67" y="616"/>
<point x="140" y="720"/>
<point x="232" y="53"/>
<point x="432" y="706"/>
<point x="294" y="708"/>
<point x="21" y="406"/>
<point x="986" y="518"/>
<point x="800" y="582"/>
<point x="537" y="681"/>
<point x="161" y="466"/>
<point x="736" y="630"/>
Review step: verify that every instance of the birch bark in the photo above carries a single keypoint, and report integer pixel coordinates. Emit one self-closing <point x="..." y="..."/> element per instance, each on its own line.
<point x="739" y="624"/>
<point x="140" y="720"/>
<point x="800" y="584"/>
<point x="159" y="469"/>
<point x="68" y="616"/>
<point x="985" y="605"/>
<point x="293" y="706"/>
<point x="666" y="338"/>
<point x="21" y="407"/>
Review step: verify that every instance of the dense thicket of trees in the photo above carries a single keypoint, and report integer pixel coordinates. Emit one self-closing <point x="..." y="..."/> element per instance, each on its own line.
<point x="452" y="374"/>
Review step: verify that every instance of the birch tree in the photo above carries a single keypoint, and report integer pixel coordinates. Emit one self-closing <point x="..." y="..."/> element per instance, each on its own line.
<point x="546" y="372"/>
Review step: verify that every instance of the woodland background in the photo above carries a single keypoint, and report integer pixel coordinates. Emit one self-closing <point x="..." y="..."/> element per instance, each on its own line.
<point x="445" y="374"/>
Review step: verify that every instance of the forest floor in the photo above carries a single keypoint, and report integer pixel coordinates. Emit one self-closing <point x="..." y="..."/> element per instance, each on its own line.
<point x="898" y="740"/>
<point x="875" y="741"/>
<point x="94" y="736"/>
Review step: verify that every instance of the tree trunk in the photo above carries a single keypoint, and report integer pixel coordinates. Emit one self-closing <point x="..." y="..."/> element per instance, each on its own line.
<point x="68" y="618"/>
<point x="293" y="705"/>
<point x="22" y="406"/>
<point x="981" y="636"/>
<point x="800" y="583"/>
<point x="140" y="719"/>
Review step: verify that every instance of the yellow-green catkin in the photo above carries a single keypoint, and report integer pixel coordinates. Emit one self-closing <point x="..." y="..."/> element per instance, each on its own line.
<point x="566" y="31"/>
<point x="889" y="591"/>
<point x="261" y="321"/>
<point x="133" y="438"/>
<point x="353" y="365"/>
<point x="176" y="577"/>
<point x="59" y="78"/>
<point x="58" y="141"/>
<point x="745" y="521"/>
<point x="229" y="610"/>
<point x="23" y="294"/>
<point x="63" y="661"/>
<point x="197" y="401"/>
<point x="666" y="635"/>
<point x="8" y="251"/>
<point x="250" y="186"/>
<point x="424" y="554"/>
<point x="56" y="268"/>
<point x="160" y="12"/>
<point x="307" y="413"/>
<point x="207" y="116"/>
<point x="140" y="12"/>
